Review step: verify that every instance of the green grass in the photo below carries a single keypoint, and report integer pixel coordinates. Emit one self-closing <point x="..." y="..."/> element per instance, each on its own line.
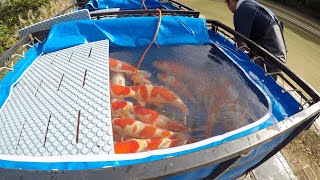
<point x="10" y="24"/>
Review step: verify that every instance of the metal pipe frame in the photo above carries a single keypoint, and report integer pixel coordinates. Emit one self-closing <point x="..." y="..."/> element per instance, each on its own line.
<point x="270" y="60"/>
<point x="148" y="12"/>
<point x="180" y="5"/>
<point x="224" y="155"/>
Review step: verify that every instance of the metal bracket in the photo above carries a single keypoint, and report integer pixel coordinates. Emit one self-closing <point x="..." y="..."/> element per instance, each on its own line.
<point x="308" y="101"/>
<point x="269" y="73"/>
<point x="255" y="58"/>
<point x="24" y="46"/>
<point x="246" y="49"/>
<point x="22" y="56"/>
<point x="4" y="67"/>
<point x="272" y="73"/>
<point x="295" y="90"/>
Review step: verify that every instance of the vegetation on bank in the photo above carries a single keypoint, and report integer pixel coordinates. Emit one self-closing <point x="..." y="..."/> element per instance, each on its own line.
<point x="17" y="14"/>
<point x="311" y="6"/>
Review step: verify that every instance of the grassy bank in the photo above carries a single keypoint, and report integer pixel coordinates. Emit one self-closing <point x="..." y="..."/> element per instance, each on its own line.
<point x="17" y="14"/>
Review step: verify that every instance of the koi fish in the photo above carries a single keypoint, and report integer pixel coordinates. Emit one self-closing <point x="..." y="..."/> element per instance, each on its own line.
<point x="117" y="137"/>
<point x="117" y="79"/>
<point x="172" y="68"/>
<point x="141" y="77"/>
<point x="158" y="96"/>
<point x="154" y="118"/>
<point x="222" y="108"/>
<point x="177" y="85"/>
<point x="140" y="145"/>
<point x="121" y="108"/>
<point x="138" y="129"/>
<point x="121" y="67"/>
<point x="121" y="92"/>
<point x="138" y="76"/>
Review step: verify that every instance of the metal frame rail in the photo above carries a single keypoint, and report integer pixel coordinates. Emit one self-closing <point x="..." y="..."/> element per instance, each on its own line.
<point x="17" y="50"/>
<point x="258" y="52"/>
<point x="224" y="155"/>
<point x="287" y="76"/>
<point x="148" y="12"/>
<point x="181" y="6"/>
<point x="184" y="11"/>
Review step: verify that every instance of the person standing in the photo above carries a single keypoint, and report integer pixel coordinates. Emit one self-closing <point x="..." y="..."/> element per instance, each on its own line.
<point x="260" y="25"/>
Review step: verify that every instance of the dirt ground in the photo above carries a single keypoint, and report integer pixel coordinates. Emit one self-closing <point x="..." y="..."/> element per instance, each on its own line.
<point x="302" y="151"/>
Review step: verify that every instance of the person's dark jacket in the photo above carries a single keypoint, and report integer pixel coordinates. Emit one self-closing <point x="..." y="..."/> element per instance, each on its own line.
<point x="259" y="24"/>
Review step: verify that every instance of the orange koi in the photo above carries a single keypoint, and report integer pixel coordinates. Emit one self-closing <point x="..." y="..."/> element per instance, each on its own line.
<point x="158" y="95"/>
<point x="172" y="68"/>
<point x="121" y="108"/>
<point x="138" y="129"/>
<point x="224" y="106"/>
<point x="177" y="85"/>
<point x="121" y="92"/>
<point x="140" y="145"/>
<point x="154" y="118"/>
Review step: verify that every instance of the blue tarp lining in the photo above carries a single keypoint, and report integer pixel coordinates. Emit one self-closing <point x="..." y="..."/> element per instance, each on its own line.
<point x="122" y="4"/>
<point x="174" y="30"/>
<point x="139" y="32"/>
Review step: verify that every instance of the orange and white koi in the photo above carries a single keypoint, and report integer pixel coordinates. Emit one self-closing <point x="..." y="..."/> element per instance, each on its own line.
<point x="138" y="76"/>
<point x="141" y="77"/>
<point x="158" y="95"/>
<point x="137" y="129"/>
<point x="117" y="79"/>
<point x="154" y="118"/>
<point x="121" y="67"/>
<point x="121" y="109"/>
<point x="140" y="145"/>
<point x="177" y="85"/>
<point x="121" y="92"/>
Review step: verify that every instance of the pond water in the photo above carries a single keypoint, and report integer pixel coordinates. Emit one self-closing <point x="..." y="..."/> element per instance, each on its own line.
<point x="218" y="96"/>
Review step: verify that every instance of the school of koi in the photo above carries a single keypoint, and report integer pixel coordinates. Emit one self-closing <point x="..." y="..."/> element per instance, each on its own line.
<point x="138" y="128"/>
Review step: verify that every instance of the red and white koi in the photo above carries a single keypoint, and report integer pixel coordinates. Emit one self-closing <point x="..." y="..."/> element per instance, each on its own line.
<point x="140" y="145"/>
<point x="121" y="67"/>
<point x="138" y="76"/>
<point x="117" y="79"/>
<point x="137" y="129"/>
<point x="176" y="84"/>
<point x="158" y="95"/>
<point x="141" y="77"/>
<point x="154" y="118"/>
<point x="121" y="109"/>
<point x="121" y="92"/>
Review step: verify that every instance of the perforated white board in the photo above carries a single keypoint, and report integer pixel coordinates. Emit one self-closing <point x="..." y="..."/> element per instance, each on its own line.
<point x="41" y="115"/>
